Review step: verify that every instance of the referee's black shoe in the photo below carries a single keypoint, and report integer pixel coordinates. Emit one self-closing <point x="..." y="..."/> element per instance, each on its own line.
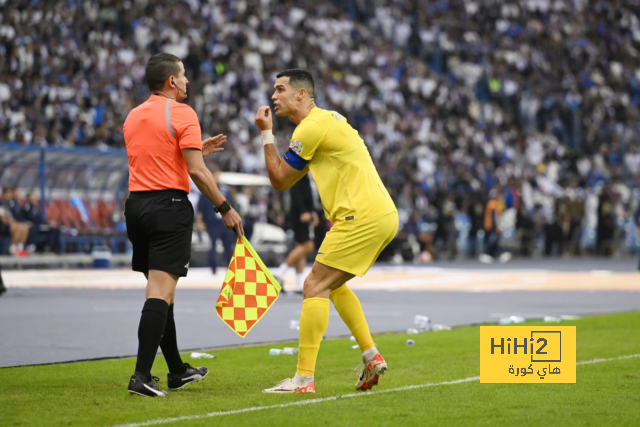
<point x="139" y="385"/>
<point x="190" y="375"/>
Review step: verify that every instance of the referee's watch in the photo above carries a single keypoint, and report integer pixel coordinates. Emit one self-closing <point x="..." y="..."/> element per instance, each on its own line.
<point x="223" y="208"/>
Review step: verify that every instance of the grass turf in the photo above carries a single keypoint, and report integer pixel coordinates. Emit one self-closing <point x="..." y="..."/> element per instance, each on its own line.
<point x="94" y="393"/>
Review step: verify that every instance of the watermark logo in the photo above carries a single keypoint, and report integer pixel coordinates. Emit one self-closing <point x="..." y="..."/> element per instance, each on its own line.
<point x="527" y="354"/>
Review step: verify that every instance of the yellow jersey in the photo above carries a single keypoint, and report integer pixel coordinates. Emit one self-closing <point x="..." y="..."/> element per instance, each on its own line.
<point x="349" y="185"/>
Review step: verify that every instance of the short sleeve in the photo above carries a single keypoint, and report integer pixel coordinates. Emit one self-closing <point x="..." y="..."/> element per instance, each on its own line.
<point x="186" y="125"/>
<point x="306" y="139"/>
<point x="304" y="143"/>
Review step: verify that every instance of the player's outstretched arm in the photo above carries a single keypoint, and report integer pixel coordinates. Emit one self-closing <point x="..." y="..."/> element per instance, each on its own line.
<point x="281" y="174"/>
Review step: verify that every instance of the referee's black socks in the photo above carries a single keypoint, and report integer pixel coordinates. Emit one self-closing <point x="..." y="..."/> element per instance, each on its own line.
<point x="152" y="325"/>
<point x="169" y="345"/>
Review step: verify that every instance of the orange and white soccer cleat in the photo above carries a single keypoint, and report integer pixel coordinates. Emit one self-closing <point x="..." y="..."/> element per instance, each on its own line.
<point x="289" y="387"/>
<point x="370" y="374"/>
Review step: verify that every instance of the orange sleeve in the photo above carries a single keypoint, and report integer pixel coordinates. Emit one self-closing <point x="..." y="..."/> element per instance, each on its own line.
<point x="186" y="125"/>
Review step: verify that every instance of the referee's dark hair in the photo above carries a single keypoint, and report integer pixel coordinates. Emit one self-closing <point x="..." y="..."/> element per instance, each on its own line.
<point x="159" y="68"/>
<point x="299" y="78"/>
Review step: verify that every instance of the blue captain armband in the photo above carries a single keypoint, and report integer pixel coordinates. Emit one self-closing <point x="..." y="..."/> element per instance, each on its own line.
<point x="294" y="160"/>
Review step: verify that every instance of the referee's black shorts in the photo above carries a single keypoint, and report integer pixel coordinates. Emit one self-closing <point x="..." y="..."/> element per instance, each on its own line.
<point x="300" y="229"/>
<point x="159" y="225"/>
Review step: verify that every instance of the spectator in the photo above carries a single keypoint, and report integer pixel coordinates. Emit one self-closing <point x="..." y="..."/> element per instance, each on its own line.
<point x="446" y="231"/>
<point x="476" y="220"/>
<point x="606" y="222"/>
<point x="574" y="216"/>
<point x="492" y="232"/>
<point x="526" y="231"/>
<point x="12" y="203"/>
<point x="554" y="232"/>
<point x="44" y="233"/>
<point x="9" y="227"/>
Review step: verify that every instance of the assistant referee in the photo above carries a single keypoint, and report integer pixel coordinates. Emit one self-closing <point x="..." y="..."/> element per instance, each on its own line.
<point x="164" y="147"/>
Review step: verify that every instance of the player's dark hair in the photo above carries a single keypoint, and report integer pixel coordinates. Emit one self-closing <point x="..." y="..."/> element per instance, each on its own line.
<point x="159" y="68"/>
<point x="299" y="78"/>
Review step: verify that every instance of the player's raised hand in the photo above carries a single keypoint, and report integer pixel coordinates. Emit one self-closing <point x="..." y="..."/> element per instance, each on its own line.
<point x="264" y="119"/>
<point x="212" y="145"/>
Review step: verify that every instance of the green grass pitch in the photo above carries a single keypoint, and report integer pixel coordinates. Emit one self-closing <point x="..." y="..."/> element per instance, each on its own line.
<point x="95" y="393"/>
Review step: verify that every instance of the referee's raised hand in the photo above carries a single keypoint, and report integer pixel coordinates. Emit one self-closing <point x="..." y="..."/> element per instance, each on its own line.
<point x="212" y="145"/>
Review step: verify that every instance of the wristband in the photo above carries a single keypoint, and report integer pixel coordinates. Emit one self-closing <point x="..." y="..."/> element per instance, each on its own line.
<point x="267" y="137"/>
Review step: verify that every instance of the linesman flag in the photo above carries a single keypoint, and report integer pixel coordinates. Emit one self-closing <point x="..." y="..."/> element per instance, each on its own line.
<point x="248" y="291"/>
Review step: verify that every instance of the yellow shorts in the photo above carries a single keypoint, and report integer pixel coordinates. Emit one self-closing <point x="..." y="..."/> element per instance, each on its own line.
<point x="354" y="247"/>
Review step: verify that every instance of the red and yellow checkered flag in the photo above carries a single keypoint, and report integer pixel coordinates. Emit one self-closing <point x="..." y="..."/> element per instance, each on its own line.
<point x="248" y="291"/>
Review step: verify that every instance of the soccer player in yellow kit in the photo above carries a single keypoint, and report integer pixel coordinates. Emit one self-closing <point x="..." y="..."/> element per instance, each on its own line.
<point x="357" y="203"/>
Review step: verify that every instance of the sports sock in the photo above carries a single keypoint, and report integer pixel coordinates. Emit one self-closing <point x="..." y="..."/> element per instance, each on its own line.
<point x="299" y="281"/>
<point x="302" y="381"/>
<point x="368" y="355"/>
<point x="314" y="320"/>
<point x="150" y="330"/>
<point x="348" y="307"/>
<point x="169" y="345"/>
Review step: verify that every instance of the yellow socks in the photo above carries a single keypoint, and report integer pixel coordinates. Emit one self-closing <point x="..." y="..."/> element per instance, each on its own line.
<point x="350" y="310"/>
<point x="314" y="320"/>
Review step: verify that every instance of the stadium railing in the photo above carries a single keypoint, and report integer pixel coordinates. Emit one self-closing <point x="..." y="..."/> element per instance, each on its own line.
<point x="80" y="191"/>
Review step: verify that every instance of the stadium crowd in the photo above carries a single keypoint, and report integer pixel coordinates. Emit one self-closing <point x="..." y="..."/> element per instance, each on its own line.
<point x="531" y="104"/>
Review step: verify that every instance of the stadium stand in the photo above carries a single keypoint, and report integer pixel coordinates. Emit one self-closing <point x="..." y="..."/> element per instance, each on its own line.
<point x="536" y="98"/>
<point x="68" y="196"/>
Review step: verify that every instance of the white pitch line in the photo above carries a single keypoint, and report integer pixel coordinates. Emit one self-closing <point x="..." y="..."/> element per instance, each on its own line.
<point x="286" y="405"/>
<point x="328" y="399"/>
<point x="586" y="362"/>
